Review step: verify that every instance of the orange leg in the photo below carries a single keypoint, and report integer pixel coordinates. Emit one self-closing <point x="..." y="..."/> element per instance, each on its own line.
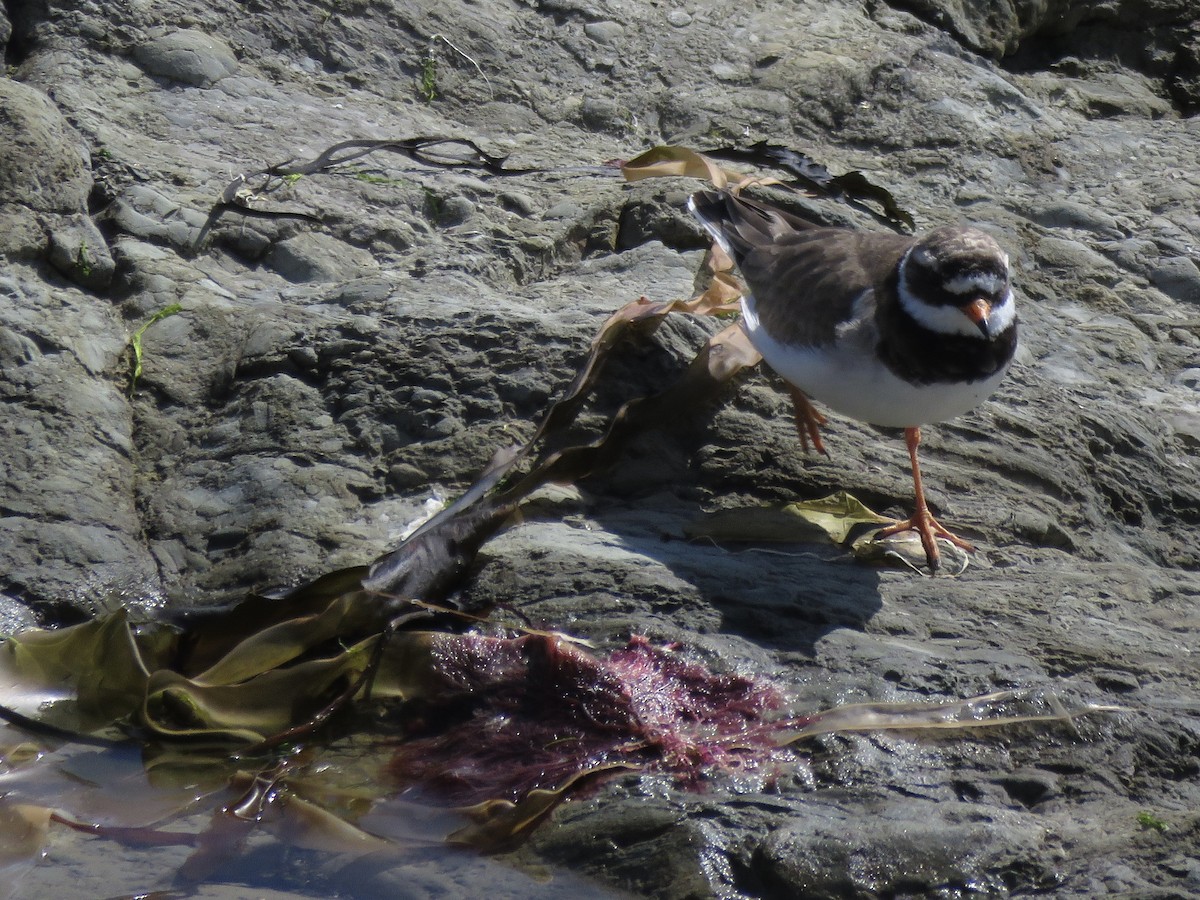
<point x="922" y="520"/>
<point x="808" y="420"/>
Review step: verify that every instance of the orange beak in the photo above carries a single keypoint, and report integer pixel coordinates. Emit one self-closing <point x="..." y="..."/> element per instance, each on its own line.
<point x="978" y="311"/>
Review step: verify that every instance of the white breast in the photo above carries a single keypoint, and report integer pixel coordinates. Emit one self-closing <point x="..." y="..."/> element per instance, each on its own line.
<point x="848" y="377"/>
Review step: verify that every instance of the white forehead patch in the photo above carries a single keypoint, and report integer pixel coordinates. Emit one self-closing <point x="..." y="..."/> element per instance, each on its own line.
<point x="975" y="283"/>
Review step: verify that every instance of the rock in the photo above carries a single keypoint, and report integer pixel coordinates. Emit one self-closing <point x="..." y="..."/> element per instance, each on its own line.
<point x="1060" y="213"/>
<point x="324" y="384"/>
<point x="147" y="213"/>
<point x="316" y="257"/>
<point x="724" y="71"/>
<point x="454" y="211"/>
<point x="991" y="28"/>
<point x="187" y="56"/>
<point x="518" y="202"/>
<point x="599" y="114"/>
<point x="604" y="32"/>
<point x="919" y="848"/>
<point x="43" y="165"/>
<point x="43" y="169"/>
<point x="69" y="515"/>
<point x="1114" y="95"/>
<point x="1178" y="278"/>
<point x="78" y="251"/>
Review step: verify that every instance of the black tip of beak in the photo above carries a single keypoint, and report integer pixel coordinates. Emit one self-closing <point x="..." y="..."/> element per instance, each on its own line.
<point x="979" y="311"/>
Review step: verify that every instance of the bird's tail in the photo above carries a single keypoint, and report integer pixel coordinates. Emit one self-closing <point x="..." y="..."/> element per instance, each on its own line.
<point x="739" y="224"/>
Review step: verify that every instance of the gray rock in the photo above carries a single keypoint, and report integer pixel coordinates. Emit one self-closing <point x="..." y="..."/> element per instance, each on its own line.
<point x="43" y="169"/>
<point x="1065" y="254"/>
<point x="518" y="202"/>
<point x="326" y="384"/>
<point x="918" y="848"/>
<point x="454" y="210"/>
<point x="1178" y="278"/>
<point x="1114" y="95"/>
<point x="601" y="114"/>
<point x="78" y="250"/>
<point x="605" y="32"/>
<point x="69" y="515"/>
<point x="991" y="27"/>
<point x="1073" y="214"/>
<point x="43" y="165"/>
<point x="998" y="27"/>
<point x="187" y="56"/>
<point x="147" y="213"/>
<point x="723" y="71"/>
<point x="16" y="349"/>
<point x="316" y="257"/>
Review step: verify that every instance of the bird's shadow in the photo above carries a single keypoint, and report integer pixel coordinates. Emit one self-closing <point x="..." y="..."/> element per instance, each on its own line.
<point x="781" y="596"/>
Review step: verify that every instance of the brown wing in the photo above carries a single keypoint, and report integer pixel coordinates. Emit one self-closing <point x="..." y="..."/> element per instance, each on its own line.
<point x="806" y="284"/>
<point x="805" y="278"/>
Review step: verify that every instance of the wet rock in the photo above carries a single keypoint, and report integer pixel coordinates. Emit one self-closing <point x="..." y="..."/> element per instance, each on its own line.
<point x="69" y="512"/>
<point x="917" y="848"/>
<point x="1074" y="214"/>
<point x="43" y="165"/>
<point x="601" y="114"/>
<point x="454" y="211"/>
<point x="147" y="213"/>
<point x="324" y="383"/>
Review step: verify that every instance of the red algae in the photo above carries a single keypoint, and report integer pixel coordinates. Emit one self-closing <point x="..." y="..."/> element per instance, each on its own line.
<point x="511" y="715"/>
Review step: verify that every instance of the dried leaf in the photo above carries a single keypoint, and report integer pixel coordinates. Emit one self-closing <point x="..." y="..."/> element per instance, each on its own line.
<point x="658" y="162"/>
<point x="834" y="517"/>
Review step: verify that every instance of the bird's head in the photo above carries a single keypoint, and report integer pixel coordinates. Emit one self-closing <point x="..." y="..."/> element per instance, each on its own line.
<point x="955" y="280"/>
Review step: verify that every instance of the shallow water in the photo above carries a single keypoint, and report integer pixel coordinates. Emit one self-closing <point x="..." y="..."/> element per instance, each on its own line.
<point x="155" y="829"/>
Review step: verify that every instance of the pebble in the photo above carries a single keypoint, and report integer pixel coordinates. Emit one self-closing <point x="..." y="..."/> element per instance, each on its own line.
<point x="604" y="32"/>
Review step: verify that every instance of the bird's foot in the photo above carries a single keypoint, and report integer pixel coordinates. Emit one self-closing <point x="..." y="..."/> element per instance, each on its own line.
<point x="929" y="529"/>
<point x="808" y="421"/>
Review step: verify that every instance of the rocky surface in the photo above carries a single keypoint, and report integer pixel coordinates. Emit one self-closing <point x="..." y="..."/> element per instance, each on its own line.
<point x="321" y="384"/>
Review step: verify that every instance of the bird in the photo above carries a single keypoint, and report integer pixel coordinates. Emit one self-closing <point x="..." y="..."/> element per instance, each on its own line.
<point x="893" y="330"/>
